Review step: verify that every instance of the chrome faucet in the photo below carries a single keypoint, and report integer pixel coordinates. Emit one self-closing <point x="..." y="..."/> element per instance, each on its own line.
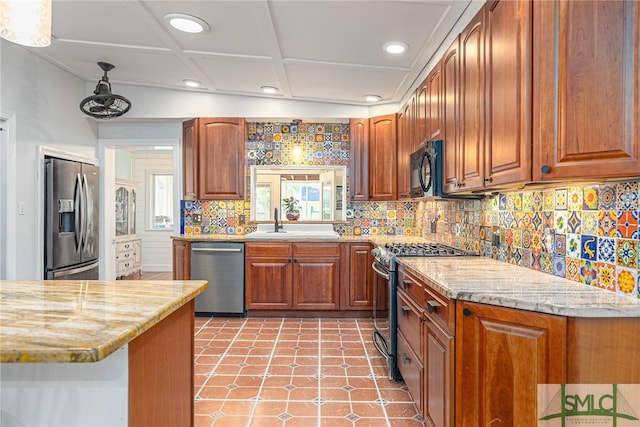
<point x="277" y="226"/>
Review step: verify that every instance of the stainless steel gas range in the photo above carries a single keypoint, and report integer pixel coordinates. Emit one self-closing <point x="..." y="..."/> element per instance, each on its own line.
<point x="385" y="267"/>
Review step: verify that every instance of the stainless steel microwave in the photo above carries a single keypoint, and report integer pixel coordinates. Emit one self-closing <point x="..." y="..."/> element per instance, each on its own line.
<point x="426" y="170"/>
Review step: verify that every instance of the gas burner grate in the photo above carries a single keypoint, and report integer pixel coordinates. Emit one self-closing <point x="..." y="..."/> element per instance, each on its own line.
<point x="424" y="250"/>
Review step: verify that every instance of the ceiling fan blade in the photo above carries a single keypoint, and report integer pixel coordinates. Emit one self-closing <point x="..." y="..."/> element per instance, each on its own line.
<point x="97" y="109"/>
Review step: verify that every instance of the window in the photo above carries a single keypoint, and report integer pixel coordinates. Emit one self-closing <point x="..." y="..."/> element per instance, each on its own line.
<point x="263" y="201"/>
<point x="161" y="200"/>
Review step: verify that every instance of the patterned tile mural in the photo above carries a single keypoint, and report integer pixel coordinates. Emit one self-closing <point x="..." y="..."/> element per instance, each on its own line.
<point x="586" y="233"/>
<point x="273" y="143"/>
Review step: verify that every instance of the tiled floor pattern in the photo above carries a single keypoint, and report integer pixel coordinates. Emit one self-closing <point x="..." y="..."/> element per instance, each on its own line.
<point x="264" y="372"/>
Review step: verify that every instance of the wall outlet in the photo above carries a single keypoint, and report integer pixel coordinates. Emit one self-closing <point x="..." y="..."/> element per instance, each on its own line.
<point x="433" y="226"/>
<point x="20" y="208"/>
<point x="241" y="219"/>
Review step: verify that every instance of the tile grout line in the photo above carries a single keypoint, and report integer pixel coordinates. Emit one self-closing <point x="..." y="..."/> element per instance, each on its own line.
<point x="373" y="375"/>
<point x="265" y="374"/>
<point x="319" y="420"/>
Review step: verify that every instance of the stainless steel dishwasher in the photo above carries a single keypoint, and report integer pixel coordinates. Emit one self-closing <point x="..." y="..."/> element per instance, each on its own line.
<point x="222" y="265"/>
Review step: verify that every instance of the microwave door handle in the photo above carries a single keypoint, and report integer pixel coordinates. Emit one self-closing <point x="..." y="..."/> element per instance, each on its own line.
<point x="77" y="208"/>
<point x="425" y="186"/>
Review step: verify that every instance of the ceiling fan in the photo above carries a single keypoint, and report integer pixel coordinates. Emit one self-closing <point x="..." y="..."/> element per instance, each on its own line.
<point x="103" y="104"/>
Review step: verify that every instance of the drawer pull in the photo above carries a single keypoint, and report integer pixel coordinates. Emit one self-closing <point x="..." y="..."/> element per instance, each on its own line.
<point x="406" y="283"/>
<point x="424" y="319"/>
<point x="466" y="312"/>
<point x="432" y="306"/>
<point x="405" y="308"/>
<point x="406" y="357"/>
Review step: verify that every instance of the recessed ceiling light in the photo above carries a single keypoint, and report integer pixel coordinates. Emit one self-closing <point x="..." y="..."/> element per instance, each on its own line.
<point x="186" y="23"/>
<point x="269" y="89"/>
<point x="191" y="83"/>
<point x="395" y="47"/>
<point x="372" y="98"/>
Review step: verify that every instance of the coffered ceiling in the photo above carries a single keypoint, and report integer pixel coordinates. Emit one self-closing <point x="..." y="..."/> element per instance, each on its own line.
<point x="313" y="50"/>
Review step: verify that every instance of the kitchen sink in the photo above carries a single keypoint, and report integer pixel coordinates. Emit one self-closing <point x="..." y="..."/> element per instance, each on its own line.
<point x="294" y="231"/>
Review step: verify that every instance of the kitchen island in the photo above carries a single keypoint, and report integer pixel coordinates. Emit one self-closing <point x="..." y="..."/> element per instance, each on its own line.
<point x="97" y="353"/>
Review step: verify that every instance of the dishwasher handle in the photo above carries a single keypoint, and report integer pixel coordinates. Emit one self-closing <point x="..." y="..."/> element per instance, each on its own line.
<point x="216" y="249"/>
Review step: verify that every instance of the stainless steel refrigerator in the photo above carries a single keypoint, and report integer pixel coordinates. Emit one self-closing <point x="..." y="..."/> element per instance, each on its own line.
<point x="71" y="223"/>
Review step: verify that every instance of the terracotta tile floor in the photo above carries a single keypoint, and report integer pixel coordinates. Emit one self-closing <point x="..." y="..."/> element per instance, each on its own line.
<point x="294" y="372"/>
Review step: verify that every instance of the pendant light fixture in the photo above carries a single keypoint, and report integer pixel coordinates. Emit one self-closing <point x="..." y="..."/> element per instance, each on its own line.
<point x="26" y="22"/>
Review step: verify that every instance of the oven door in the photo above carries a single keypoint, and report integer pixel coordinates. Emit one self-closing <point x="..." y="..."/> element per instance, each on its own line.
<point x="384" y="315"/>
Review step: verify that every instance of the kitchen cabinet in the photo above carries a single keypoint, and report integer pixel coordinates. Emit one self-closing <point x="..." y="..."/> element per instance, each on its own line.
<point x="491" y="110"/>
<point x="125" y="207"/>
<point x="359" y="159"/>
<point x="507" y="120"/>
<point x="214" y="158"/>
<point x="405" y="148"/>
<point x="586" y="113"/>
<point x="383" y="184"/>
<point x="128" y="246"/>
<point x="357" y="282"/>
<point x="296" y="276"/>
<point x="373" y="158"/>
<point x="434" y="104"/>
<point x="450" y="110"/>
<point x="409" y="358"/>
<point x="181" y="260"/>
<point x="502" y="354"/>
<point x="471" y="114"/>
<point x="128" y="258"/>
<point x="422" y="108"/>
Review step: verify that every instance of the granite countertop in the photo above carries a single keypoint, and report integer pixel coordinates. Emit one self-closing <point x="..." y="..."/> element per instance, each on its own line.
<point x="489" y="281"/>
<point x="82" y="320"/>
<point x="374" y="239"/>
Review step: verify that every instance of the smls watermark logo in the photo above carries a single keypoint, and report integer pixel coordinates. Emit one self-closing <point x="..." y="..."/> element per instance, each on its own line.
<point x="615" y="405"/>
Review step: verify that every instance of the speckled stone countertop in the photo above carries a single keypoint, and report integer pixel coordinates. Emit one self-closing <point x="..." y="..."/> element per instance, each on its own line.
<point x="343" y="239"/>
<point x="82" y="320"/>
<point x="488" y="281"/>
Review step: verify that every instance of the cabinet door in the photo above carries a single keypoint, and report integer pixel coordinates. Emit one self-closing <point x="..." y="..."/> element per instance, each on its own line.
<point x="359" y="159"/>
<point x="222" y="162"/>
<point x="412" y="371"/>
<point x="268" y="283"/>
<point x="508" y="92"/>
<point x="122" y="211"/>
<point x="502" y="355"/>
<point x="403" y="157"/>
<point x="587" y="104"/>
<point x="358" y="285"/>
<point x="190" y="159"/>
<point x="132" y="211"/>
<point x="382" y="158"/>
<point x="439" y="376"/>
<point x="434" y="115"/>
<point x="422" y="113"/>
<point x="471" y="123"/>
<point x="316" y="283"/>
<point x="181" y="260"/>
<point x="450" y="108"/>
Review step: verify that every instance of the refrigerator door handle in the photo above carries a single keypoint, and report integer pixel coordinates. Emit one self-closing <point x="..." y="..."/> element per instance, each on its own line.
<point x="85" y="211"/>
<point x="78" y="196"/>
<point x="75" y="270"/>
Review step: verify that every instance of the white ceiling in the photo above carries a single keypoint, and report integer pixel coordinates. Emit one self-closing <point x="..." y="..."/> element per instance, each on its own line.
<point x="313" y="50"/>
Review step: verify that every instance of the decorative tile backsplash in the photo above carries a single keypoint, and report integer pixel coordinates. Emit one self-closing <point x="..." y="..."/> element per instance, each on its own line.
<point x="588" y="233"/>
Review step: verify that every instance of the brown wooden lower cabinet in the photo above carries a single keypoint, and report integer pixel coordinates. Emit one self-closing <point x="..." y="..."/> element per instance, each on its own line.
<point x="161" y="372"/>
<point x="181" y="260"/>
<point x="502" y="354"/>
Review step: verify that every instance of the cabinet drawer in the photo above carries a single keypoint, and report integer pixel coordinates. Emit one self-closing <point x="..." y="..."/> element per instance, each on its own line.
<point x="124" y="266"/>
<point x="410" y="318"/>
<point x="411" y="369"/>
<point x="410" y="284"/>
<point x="440" y="309"/>
<point x="267" y="249"/>
<point x="125" y="255"/>
<point x="316" y="249"/>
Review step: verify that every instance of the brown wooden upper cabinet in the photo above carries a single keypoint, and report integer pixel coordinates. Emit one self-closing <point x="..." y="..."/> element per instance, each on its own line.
<point x="406" y="145"/>
<point x="214" y="158"/>
<point x="587" y="105"/>
<point x="492" y="138"/>
<point x="373" y="158"/>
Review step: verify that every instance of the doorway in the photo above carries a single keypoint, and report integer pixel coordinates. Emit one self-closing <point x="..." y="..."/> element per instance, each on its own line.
<point x="141" y="206"/>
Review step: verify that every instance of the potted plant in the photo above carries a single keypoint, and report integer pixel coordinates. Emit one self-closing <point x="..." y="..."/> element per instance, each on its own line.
<point x="291" y="208"/>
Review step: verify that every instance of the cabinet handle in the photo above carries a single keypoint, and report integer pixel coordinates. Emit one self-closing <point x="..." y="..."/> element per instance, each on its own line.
<point x="545" y="169"/>
<point x="486" y="180"/>
<point x="424" y="319"/>
<point x="406" y="357"/>
<point x="432" y="306"/>
<point x="405" y="308"/>
<point x="406" y="283"/>
<point x="295" y="260"/>
<point x="289" y="261"/>
<point x="466" y="312"/>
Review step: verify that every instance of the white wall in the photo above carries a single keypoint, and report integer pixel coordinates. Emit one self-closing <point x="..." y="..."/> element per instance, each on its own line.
<point x="156" y="244"/>
<point x="45" y="102"/>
